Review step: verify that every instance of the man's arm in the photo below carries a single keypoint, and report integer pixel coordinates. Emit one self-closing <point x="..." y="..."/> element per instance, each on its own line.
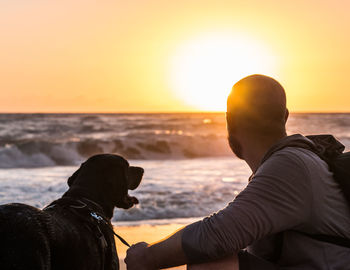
<point x="169" y="253"/>
<point x="277" y="198"/>
<point x="163" y="254"/>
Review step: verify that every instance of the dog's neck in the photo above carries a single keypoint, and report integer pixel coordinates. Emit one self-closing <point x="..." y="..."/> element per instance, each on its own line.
<point x="79" y="193"/>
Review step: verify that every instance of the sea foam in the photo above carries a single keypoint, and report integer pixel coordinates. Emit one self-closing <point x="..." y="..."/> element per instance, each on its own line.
<point x="41" y="140"/>
<point x="170" y="188"/>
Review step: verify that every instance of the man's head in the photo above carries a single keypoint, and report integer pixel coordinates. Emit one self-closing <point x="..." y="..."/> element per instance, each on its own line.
<point x="256" y="107"/>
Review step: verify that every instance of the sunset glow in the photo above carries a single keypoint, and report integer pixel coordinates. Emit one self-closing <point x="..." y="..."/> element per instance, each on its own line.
<point x="204" y="69"/>
<point x="170" y="56"/>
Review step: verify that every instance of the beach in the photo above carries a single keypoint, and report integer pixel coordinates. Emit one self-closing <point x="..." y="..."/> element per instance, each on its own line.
<point x="143" y="233"/>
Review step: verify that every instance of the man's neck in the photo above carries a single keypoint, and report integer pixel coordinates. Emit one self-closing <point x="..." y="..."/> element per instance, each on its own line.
<point x="255" y="150"/>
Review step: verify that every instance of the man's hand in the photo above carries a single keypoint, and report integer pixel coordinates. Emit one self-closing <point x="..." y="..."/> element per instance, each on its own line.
<point x="163" y="254"/>
<point x="138" y="257"/>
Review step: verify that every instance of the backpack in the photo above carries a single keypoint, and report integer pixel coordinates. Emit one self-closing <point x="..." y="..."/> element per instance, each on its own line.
<point x="332" y="152"/>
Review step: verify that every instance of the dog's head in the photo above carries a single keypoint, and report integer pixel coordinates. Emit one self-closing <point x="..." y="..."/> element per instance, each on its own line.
<point x="107" y="178"/>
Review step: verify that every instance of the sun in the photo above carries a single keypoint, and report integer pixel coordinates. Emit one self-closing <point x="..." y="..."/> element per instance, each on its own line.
<point x="204" y="69"/>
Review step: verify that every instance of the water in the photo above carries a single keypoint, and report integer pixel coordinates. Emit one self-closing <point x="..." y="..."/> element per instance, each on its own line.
<point x="189" y="168"/>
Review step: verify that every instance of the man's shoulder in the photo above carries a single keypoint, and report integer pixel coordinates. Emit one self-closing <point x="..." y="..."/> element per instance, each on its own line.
<point x="291" y="161"/>
<point x="293" y="151"/>
<point x="288" y="157"/>
<point x="295" y="156"/>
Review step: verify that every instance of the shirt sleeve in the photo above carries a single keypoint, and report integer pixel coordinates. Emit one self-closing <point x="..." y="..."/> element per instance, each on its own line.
<point x="277" y="198"/>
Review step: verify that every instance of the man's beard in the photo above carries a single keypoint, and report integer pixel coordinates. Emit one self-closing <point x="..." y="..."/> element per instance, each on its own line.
<point x="235" y="146"/>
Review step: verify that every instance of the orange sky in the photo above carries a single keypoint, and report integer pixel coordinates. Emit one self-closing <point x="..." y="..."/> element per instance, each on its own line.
<point x="130" y="56"/>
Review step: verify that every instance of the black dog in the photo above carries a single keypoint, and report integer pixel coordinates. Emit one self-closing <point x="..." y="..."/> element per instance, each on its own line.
<point x="73" y="232"/>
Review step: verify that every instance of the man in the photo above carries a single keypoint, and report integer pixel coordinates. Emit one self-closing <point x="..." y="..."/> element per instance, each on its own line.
<point x="291" y="194"/>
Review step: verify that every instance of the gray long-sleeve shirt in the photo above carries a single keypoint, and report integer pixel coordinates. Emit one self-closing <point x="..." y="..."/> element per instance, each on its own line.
<point x="292" y="191"/>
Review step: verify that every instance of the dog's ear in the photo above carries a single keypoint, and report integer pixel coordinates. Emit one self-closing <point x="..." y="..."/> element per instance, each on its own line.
<point x="134" y="177"/>
<point x="72" y="178"/>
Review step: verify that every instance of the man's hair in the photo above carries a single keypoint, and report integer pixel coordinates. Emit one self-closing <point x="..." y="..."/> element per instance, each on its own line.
<point x="257" y="103"/>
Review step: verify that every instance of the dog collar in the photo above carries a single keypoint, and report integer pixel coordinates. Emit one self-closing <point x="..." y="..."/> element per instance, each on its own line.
<point x="80" y="205"/>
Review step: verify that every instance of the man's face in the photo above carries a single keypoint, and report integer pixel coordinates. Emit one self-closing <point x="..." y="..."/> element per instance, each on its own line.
<point x="233" y="141"/>
<point x="235" y="145"/>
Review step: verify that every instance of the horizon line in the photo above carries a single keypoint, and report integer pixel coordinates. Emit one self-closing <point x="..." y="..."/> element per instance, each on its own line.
<point x="162" y="112"/>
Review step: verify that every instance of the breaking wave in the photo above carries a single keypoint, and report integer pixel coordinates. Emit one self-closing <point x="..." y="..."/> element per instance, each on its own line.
<point x="41" y="140"/>
<point x="44" y="153"/>
<point x="68" y="139"/>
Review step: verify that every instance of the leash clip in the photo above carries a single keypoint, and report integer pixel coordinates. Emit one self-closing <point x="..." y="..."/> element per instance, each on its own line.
<point x="49" y="206"/>
<point x="97" y="217"/>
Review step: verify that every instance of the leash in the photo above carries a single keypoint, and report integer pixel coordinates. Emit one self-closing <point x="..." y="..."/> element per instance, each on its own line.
<point x="99" y="218"/>
<point x="121" y="239"/>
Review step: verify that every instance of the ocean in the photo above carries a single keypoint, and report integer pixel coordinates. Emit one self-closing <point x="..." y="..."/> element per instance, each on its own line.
<point x="190" y="171"/>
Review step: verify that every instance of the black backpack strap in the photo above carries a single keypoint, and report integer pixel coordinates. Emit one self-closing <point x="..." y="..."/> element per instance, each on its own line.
<point x="336" y="240"/>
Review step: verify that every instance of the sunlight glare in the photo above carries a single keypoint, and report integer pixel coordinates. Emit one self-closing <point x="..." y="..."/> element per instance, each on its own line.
<point x="204" y="69"/>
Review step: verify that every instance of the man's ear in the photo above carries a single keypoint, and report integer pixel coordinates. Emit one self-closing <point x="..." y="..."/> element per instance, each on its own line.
<point x="72" y="178"/>
<point x="286" y="116"/>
